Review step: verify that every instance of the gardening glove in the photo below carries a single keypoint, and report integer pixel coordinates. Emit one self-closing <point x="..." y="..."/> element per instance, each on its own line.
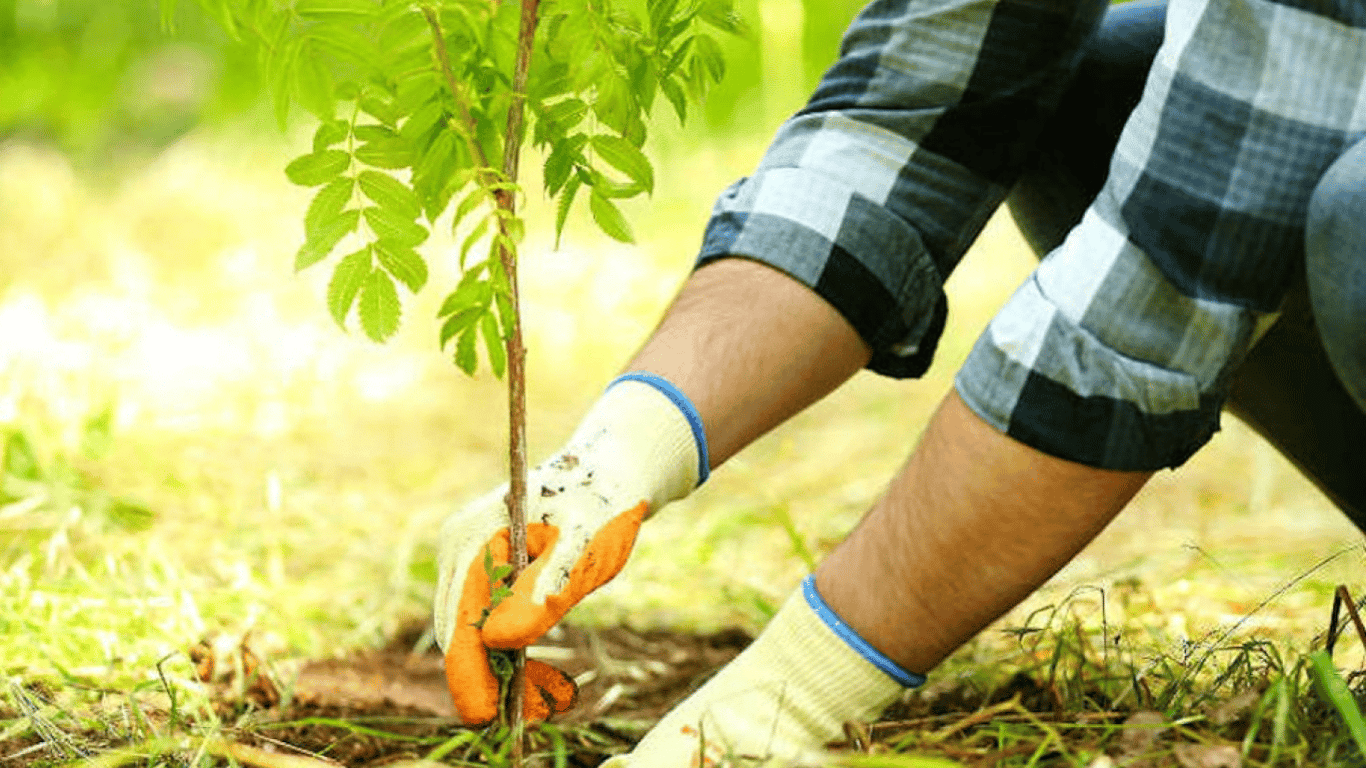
<point x="789" y="693"/>
<point x="638" y="448"/>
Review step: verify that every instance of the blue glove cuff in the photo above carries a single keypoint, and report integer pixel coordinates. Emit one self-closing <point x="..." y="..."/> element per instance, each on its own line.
<point x="848" y="635"/>
<point x="684" y="405"/>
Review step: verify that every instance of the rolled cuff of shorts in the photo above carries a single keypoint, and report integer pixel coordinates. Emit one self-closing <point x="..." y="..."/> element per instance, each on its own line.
<point x="869" y="264"/>
<point x="1083" y="402"/>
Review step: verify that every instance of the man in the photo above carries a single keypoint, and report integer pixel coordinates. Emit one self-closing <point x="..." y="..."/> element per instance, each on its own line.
<point x="1112" y="361"/>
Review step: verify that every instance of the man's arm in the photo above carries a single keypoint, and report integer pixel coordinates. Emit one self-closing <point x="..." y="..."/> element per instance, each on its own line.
<point x="750" y="347"/>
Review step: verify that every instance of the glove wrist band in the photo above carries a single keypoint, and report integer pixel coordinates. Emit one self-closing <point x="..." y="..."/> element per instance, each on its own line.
<point x="685" y="406"/>
<point x="853" y="640"/>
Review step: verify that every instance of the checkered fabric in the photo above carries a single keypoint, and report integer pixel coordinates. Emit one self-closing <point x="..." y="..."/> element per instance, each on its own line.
<point x="1116" y="351"/>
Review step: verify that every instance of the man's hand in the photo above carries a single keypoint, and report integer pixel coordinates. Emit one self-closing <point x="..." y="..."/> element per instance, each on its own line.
<point x="637" y="449"/>
<point x="785" y="697"/>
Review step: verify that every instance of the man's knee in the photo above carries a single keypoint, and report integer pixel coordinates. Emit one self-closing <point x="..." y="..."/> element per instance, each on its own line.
<point x="1335" y="263"/>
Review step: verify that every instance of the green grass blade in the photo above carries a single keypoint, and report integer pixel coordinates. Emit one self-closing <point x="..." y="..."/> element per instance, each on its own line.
<point x="1337" y="693"/>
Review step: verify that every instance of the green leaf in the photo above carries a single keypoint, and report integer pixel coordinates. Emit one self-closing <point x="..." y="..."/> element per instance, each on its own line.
<point x="381" y="107"/>
<point x="348" y="43"/>
<point x="320" y="242"/>
<point x="721" y="14"/>
<point x="563" y="115"/>
<point x="379" y="306"/>
<point x="358" y="10"/>
<point x="403" y="263"/>
<point x="674" y="93"/>
<point x="614" y="105"/>
<point x="458" y="322"/>
<point x="130" y="516"/>
<point x="493" y="343"/>
<point x="709" y="51"/>
<point x="347" y="279"/>
<point x="427" y="117"/>
<point x="282" y="55"/>
<point x="609" y="218"/>
<point x="329" y="133"/>
<point x="560" y="163"/>
<point x="318" y="168"/>
<point x="388" y="226"/>
<point x="472" y="291"/>
<point x="473" y="237"/>
<point x="625" y="157"/>
<point x="389" y="193"/>
<point x="562" y="206"/>
<point x="466" y="359"/>
<point x="434" y="169"/>
<point x="392" y="153"/>
<point x="472" y="200"/>
<point x="327" y="205"/>
<point x="21" y="460"/>
<point x="372" y="132"/>
<point x="313" y="85"/>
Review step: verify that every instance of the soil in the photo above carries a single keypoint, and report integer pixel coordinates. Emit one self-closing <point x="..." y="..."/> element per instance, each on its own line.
<point x="627" y="680"/>
<point x="390" y="706"/>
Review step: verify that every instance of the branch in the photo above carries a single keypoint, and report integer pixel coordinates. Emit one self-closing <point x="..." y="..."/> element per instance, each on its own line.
<point x="443" y="57"/>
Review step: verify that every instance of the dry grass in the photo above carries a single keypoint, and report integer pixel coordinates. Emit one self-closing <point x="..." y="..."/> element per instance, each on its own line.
<point x="297" y="475"/>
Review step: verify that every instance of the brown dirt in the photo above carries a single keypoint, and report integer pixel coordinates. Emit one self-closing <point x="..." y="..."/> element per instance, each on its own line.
<point x="377" y="707"/>
<point x="621" y="673"/>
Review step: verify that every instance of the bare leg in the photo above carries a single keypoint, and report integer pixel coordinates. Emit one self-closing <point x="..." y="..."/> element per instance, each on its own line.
<point x="973" y="523"/>
<point x="750" y="347"/>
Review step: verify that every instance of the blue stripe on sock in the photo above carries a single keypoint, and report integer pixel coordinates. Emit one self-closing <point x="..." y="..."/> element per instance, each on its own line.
<point x="848" y="635"/>
<point x="684" y="405"/>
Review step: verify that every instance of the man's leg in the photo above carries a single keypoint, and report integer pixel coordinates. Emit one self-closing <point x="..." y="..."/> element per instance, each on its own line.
<point x="1286" y="389"/>
<point x="1335" y="263"/>
<point x="972" y="525"/>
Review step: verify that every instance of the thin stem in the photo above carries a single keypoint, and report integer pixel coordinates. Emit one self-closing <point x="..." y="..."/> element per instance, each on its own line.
<point x="516" y="352"/>
<point x="443" y="58"/>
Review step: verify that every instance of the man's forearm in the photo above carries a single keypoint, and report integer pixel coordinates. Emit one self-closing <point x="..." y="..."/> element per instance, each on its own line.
<point x="973" y="523"/>
<point x="750" y="347"/>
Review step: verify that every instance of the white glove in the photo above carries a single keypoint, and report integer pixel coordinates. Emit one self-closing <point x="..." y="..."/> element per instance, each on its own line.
<point x="788" y="694"/>
<point x="638" y="448"/>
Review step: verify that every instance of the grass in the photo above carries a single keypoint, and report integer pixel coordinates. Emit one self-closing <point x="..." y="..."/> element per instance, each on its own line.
<point x="196" y="452"/>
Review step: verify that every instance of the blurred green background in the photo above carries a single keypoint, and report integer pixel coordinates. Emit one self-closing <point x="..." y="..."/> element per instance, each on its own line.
<point x="99" y="78"/>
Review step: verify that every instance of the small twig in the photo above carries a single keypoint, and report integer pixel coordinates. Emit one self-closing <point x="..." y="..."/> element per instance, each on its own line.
<point x="443" y="57"/>
<point x="1341" y="596"/>
<point x="981" y="716"/>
